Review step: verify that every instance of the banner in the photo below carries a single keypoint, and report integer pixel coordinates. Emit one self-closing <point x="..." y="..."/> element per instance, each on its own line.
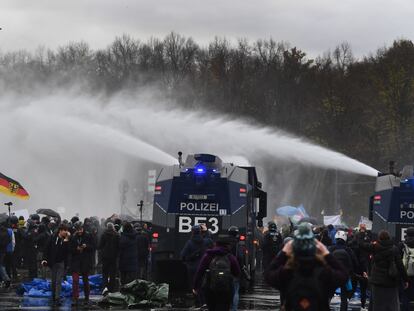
<point x="366" y="221"/>
<point x="335" y="220"/>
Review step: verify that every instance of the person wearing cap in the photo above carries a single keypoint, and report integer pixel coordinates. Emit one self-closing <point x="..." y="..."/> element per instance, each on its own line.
<point x="82" y="249"/>
<point x="109" y="247"/>
<point x="272" y="244"/>
<point x="306" y="258"/>
<point x="55" y="256"/>
<point x="347" y="258"/>
<point x="222" y="300"/>
<point x="192" y="253"/>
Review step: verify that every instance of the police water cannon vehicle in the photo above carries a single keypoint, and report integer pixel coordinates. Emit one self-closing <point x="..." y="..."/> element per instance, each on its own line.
<point x="392" y="205"/>
<point x="203" y="190"/>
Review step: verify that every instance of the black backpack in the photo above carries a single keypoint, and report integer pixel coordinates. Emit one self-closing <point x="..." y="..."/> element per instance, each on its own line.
<point x="305" y="292"/>
<point x="4" y="239"/>
<point x="219" y="277"/>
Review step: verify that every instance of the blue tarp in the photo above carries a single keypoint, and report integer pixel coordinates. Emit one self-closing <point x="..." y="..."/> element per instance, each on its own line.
<point x="40" y="288"/>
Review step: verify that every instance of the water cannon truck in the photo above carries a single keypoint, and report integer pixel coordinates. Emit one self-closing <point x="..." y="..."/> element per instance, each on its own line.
<point x="203" y="190"/>
<point x="392" y="206"/>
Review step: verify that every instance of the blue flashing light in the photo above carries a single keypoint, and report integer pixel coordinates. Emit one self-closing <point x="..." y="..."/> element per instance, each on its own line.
<point x="200" y="170"/>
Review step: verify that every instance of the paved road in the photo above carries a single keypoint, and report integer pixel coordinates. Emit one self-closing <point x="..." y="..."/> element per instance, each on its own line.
<point x="261" y="297"/>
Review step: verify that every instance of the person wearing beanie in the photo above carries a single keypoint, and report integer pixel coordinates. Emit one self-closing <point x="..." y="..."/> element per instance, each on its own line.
<point x="305" y="273"/>
<point x="109" y="247"/>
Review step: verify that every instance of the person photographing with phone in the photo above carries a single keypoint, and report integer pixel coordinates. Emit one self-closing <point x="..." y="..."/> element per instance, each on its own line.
<point x="305" y="273"/>
<point x="55" y="257"/>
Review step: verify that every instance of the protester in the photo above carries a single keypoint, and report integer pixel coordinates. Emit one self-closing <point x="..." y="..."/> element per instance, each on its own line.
<point x="143" y="242"/>
<point x="347" y="258"/>
<point x="386" y="274"/>
<point x="306" y="273"/>
<point x="364" y="261"/>
<point x="82" y="249"/>
<point x="191" y="255"/>
<point x="128" y="254"/>
<point x="31" y="247"/>
<point x="237" y="251"/>
<point x="272" y="244"/>
<point x="4" y="242"/>
<point x="109" y="247"/>
<point x="218" y="282"/>
<point x="55" y="257"/>
<point x="407" y="249"/>
<point x="8" y="259"/>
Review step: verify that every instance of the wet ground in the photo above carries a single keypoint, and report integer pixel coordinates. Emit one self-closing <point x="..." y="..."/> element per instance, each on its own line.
<point x="260" y="297"/>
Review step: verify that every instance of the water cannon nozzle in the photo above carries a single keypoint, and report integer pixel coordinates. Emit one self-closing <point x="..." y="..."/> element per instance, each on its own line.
<point x="180" y="158"/>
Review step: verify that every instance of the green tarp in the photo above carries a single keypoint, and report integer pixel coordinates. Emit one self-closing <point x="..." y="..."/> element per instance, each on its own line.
<point x="139" y="294"/>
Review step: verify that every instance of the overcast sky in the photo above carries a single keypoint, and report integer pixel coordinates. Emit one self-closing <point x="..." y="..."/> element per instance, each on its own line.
<point x="315" y="26"/>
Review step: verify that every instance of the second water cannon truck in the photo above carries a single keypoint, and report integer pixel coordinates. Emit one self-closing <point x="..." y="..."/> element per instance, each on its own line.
<point x="392" y="205"/>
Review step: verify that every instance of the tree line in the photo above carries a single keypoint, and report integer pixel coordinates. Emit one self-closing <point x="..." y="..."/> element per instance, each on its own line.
<point x="361" y="107"/>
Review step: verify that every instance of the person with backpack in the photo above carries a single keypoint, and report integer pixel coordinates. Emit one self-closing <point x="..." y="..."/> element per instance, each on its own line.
<point x="306" y="273"/>
<point x="192" y="253"/>
<point x="215" y="275"/>
<point x="386" y="274"/>
<point x="407" y="249"/>
<point x="347" y="258"/>
<point x="5" y="239"/>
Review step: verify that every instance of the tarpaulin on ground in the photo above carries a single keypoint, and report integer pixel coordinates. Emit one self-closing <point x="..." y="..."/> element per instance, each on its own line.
<point x="139" y="294"/>
<point x="40" y="288"/>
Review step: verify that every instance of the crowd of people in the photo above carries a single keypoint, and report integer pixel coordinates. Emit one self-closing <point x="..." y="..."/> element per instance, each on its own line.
<point x="306" y="263"/>
<point x="49" y="247"/>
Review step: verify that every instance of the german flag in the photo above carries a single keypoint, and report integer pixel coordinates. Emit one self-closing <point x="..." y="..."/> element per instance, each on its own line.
<point x="13" y="188"/>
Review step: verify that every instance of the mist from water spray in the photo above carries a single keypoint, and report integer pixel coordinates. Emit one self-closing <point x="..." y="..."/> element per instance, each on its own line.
<point x="73" y="151"/>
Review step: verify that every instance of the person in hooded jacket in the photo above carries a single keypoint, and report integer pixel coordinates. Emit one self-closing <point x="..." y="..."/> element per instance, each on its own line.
<point x="109" y="247"/>
<point x="128" y="254"/>
<point x="217" y="301"/>
<point x="194" y="250"/>
<point x="306" y="273"/>
<point x="82" y="249"/>
<point x="346" y="256"/>
<point x="55" y="256"/>
<point x="406" y="247"/>
<point x="143" y="244"/>
<point x="386" y="274"/>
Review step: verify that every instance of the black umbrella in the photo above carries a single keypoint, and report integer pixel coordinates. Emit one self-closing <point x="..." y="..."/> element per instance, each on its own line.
<point x="48" y="212"/>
